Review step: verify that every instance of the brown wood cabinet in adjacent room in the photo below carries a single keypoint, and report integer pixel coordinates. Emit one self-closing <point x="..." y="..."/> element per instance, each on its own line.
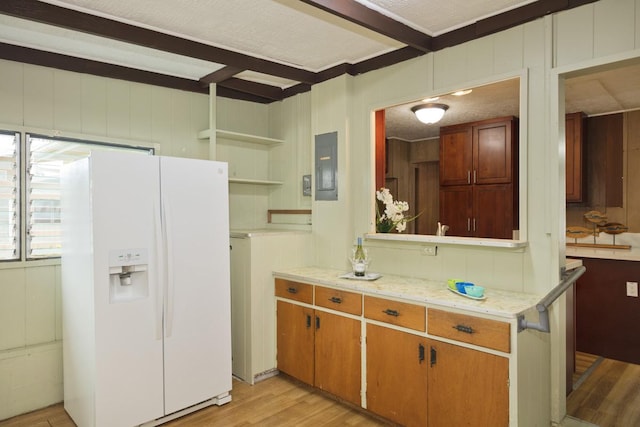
<point x="479" y="178"/>
<point x="576" y="177"/>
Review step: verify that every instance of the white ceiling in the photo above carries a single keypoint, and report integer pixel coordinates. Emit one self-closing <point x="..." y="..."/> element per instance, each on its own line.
<point x="296" y="34"/>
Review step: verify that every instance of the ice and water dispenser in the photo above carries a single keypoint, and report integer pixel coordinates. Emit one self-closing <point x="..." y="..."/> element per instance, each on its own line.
<point x="128" y="274"/>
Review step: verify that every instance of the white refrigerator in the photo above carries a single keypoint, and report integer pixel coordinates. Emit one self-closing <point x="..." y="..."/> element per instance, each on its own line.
<point x="145" y="288"/>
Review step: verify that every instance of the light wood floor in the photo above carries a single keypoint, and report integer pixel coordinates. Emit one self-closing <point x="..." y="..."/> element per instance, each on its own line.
<point x="609" y="396"/>
<point x="276" y="401"/>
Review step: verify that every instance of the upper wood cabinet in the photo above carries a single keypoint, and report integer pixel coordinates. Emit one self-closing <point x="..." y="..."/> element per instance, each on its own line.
<point x="479" y="178"/>
<point x="575" y="157"/>
<point x="478" y="153"/>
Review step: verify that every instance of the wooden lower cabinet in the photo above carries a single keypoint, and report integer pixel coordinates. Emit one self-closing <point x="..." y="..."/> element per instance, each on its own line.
<point x="296" y="338"/>
<point x="466" y="387"/>
<point x="321" y="349"/>
<point x="397" y="375"/>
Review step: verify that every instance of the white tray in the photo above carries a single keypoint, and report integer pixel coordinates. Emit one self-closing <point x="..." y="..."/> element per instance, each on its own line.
<point x="368" y="276"/>
<point x="468" y="296"/>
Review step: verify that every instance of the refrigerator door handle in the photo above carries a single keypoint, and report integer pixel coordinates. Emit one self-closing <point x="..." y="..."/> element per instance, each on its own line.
<point x="159" y="255"/>
<point x="168" y="281"/>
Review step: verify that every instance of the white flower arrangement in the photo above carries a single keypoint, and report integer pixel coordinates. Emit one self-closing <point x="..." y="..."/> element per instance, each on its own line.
<point x="393" y="213"/>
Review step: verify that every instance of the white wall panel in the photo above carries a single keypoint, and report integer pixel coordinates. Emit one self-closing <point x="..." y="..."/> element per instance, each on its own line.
<point x="67" y="102"/>
<point x="161" y="119"/>
<point x="38" y="97"/>
<point x="94" y="105"/>
<point x="637" y="25"/>
<point x="12" y="105"/>
<point x="614" y="26"/>
<point x="12" y="308"/>
<point x="450" y="67"/>
<point x="481" y="58"/>
<point x="58" y="303"/>
<point x="508" y="52"/>
<point x="118" y="109"/>
<point x="141" y="113"/>
<point x="40" y="318"/>
<point x="574" y="35"/>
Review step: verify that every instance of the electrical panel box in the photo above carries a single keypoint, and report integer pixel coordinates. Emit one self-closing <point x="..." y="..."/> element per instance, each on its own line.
<point x="326" y="164"/>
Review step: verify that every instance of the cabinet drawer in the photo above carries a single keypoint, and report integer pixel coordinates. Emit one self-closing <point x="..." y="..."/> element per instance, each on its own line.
<point x="347" y="302"/>
<point x="394" y="312"/>
<point x="470" y="329"/>
<point x="294" y="291"/>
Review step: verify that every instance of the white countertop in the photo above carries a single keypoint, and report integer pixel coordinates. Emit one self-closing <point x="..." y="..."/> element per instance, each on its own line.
<point x="497" y="303"/>
<point x="259" y="232"/>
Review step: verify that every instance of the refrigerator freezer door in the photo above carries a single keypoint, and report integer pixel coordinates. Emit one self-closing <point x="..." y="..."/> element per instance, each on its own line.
<point x="197" y="333"/>
<point x="128" y="347"/>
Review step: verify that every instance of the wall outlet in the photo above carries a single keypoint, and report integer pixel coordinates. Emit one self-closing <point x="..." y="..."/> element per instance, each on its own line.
<point x="430" y="250"/>
<point x="632" y="289"/>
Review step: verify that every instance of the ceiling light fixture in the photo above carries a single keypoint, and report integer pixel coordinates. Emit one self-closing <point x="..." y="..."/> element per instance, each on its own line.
<point x="429" y="113"/>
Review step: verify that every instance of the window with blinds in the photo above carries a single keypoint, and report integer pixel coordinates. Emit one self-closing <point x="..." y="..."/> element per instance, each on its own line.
<point x="46" y="156"/>
<point x="9" y="196"/>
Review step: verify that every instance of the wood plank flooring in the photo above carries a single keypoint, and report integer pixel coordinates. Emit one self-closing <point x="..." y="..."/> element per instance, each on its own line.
<point x="277" y="401"/>
<point x="609" y="396"/>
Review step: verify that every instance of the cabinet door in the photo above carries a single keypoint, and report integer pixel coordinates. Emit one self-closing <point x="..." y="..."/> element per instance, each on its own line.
<point x="456" y="151"/>
<point x="338" y="356"/>
<point x="574" y="137"/>
<point x="493" y="211"/>
<point x="295" y="347"/>
<point x="397" y="375"/>
<point x="467" y="387"/>
<point x="492" y="153"/>
<point x="456" y="209"/>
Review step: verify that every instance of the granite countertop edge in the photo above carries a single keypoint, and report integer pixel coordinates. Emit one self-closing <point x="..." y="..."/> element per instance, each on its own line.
<point x="498" y="303"/>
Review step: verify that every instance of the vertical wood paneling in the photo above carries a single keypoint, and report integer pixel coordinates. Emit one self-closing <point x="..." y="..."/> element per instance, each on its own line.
<point x="40" y="307"/>
<point x="614" y="26"/>
<point x="140" y="110"/>
<point x="94" y="105"/>
<point x="12" y="308"/>
<point x="67" y="102"/>
<point x="637" y="25"/>
<point x="58" y="302"/>
<point x="574" y="33"/>
<point x="161" y="119"/>
<point x="181" y="137"/>
<point x="507" y="50"/>
<point x="450" y="66"/>
<point x="481" y="57"/>
<point x="38" y="97"/>
<point x="118" y="109"/>
<point x="199" y="120"/>
<point x="11" y="88"/>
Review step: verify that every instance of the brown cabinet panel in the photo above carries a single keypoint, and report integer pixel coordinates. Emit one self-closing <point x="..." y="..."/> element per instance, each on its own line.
<point x="337" y="299"/>
<point x="338" y="356"/>
<point x="397" y="375"/>
<point x="470" y="329"/>
<point x="493" y="211"/>
<point x="492" y="152"/>
<point x="466" y="387"/>
<point x="456" y="151"/>
<point x="295" y="341"/>
<point x="456" y="209"/>
<point x="395" y="312"/>
<point x="575" y="165"/>
<point x="289" y="289"/>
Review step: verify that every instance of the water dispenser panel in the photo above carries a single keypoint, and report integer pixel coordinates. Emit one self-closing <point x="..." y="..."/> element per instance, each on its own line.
<point x="128" y="278"/>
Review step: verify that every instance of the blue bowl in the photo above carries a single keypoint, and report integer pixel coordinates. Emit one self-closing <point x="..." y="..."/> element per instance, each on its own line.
<point x="461" y="286"/>
<point x="474" y="291"/>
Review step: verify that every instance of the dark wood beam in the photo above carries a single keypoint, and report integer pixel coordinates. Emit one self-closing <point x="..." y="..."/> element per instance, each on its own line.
<point x="73" y="20"/>
<point x="220" y="75"/>
<point x="262" y="90"/>
<point x="375" y="21"/>
<point x="78" y="65"/>
<point x="225" y="92"/>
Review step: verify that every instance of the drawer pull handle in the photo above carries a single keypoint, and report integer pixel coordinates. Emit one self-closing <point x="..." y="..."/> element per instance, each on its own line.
<point x="391" y="312"/>
<point x="465" y="329"/>
<point x="292" y="290"/>
<point x="434" y="356"/>
<point x="308" y="321"/>
<point x="420" y="353"/>
<point x="337" y="300"/>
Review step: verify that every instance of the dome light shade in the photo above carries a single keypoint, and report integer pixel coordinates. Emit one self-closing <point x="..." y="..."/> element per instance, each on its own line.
<point x="429" y="113"/>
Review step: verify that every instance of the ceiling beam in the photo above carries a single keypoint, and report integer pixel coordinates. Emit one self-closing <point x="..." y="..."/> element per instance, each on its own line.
<point x="222" y="74"/>
<point x="262" y="90"/>
<point x="91" y="24"/>
<point x="375" y="21"/>
<point x="79" y="65"/>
